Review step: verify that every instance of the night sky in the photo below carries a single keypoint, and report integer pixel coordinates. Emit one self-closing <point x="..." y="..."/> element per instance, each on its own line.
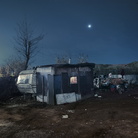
<point x="112" y="37"/>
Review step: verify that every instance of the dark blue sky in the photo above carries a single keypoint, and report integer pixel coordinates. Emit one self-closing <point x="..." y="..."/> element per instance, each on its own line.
<point x="113" y="38"/>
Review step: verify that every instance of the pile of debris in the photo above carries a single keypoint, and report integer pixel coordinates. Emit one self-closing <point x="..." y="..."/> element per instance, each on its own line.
<point x="113" y="84"/>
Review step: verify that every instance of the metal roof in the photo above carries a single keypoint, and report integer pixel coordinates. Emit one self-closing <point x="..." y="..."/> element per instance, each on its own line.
<point x="92" y="65"/>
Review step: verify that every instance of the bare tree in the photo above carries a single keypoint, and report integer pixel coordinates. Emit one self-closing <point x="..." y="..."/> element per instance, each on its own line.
<point x="3" y="72"/>
<point x="63" y="60"/>
<point x="13" y="66"/>
<point x="26" y="42"/>
<point x="82" y="58"/>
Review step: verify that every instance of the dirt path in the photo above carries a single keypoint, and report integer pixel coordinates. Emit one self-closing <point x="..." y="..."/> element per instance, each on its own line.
<point x="111" y="117"/>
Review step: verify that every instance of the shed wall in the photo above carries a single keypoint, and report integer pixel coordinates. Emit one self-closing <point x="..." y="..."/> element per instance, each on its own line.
<point x="52" y="81"/>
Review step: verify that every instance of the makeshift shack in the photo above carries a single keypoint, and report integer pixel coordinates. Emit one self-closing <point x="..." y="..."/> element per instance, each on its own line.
<point x="58" y="83"/>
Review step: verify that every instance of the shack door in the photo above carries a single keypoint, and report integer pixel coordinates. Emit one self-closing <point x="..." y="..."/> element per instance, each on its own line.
<point x="89" y="76"/>
<point x="83" y="85"/>
<point x="86" y="83"/>
<point x="58" y="84"/>
<point x="65" y="83"/>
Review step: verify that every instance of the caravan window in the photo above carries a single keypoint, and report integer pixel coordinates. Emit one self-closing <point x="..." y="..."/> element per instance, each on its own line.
<point x="24" y="79"/>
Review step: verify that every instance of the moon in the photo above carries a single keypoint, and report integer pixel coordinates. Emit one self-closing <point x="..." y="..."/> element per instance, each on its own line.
<point x="89" y="25"/>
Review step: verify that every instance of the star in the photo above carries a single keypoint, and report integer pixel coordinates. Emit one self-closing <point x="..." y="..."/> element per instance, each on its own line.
<point x="89" y="25"/>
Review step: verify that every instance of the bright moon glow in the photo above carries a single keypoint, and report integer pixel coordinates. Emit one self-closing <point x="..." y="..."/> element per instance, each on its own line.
<point x="89" y="25"/>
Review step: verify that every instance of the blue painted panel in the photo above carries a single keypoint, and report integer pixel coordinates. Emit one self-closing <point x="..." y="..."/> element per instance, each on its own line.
<point x="58" y="84"/>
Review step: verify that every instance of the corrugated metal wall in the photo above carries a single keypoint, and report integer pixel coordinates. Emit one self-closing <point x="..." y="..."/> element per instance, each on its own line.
<point x="84" y="83"/>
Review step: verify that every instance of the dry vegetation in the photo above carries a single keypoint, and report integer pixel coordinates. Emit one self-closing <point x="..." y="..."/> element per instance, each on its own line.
<point x="112" y="116"/>
<point x="104" y="69"/>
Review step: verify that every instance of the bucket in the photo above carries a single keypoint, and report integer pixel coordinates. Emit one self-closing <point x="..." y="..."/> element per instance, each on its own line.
<point x="112" y="88"/>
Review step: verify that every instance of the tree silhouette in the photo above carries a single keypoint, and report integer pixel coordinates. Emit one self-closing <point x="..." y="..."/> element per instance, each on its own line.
<point x="26" y="42"/>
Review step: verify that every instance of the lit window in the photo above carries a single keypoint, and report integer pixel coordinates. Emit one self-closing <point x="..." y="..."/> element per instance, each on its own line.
<point x="73" y="80"/>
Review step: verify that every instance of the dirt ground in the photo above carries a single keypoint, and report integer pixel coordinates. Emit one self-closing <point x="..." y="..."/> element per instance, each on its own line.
<point x="109" y="116"/>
